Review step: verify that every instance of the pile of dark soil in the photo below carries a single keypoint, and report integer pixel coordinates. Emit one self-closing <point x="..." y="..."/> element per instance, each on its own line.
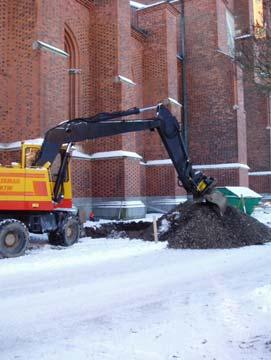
<point x="193" y="226"/>
<point x="200" y="226"/>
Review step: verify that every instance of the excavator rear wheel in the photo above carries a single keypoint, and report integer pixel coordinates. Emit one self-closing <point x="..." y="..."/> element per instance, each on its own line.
<point x="14" y="238"/>
<point x="67" y="234"/>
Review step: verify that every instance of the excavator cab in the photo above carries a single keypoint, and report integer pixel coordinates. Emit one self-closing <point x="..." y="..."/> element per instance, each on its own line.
<point x="63" y="193"/>
<point x="29" y="155"/>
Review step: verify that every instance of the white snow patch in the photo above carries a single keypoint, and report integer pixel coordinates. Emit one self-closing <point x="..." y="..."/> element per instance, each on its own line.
<point x="80" y="155"/>
<point x="141" y="6"/>
<point x="121" y="78"/>
<point x="165" y="225"/>
<point x="102" y="250"/>
<point x="137" y="5"/>
<point x="262" y="296"/>
<point x="121" y="299"/>
<point x="260" y="173"/>
<point x="16" y="145"/>
<point x="199" y="167"/>
<point x="263" y="214"/>
<point x="97" y="224"/>
<point x="115" y="154"/>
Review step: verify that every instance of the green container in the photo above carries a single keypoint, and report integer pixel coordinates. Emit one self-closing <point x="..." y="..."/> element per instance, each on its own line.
<point x="241" y="197"/>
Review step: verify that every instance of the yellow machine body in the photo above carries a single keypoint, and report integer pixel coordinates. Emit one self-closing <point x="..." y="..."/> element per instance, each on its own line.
<point x="23" y="187"/>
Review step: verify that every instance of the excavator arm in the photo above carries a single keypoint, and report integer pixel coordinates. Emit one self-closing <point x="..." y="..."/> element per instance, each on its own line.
<point x="108" y="124"/>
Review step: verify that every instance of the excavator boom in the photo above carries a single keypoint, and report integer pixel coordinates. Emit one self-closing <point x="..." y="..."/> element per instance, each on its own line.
<point x="108" y="124"/>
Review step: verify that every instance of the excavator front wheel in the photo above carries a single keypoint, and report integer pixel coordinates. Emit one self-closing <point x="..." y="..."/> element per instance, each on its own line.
<point x="14" y="238"/>
<point x="67" y="234"/>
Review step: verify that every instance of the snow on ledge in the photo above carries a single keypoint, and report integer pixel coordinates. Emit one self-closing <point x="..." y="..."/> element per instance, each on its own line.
<point x="105" y="155"/>
<point x="260" y="173"/>
<point x="16" y="145"/>
<point x="140" y="6"/>
<point x="76" y="154"/>
<point x="127" y="204"/>
<point x="115" y="154"/>
<point x="207" y="166"/>
<point x="37" y="141"/>
<point x="158" y="162"/>
<point x="222" y="166"/>
<point x="137" y="5"/>
<point x="121" y="78"/>
<point x="43" y="45"/>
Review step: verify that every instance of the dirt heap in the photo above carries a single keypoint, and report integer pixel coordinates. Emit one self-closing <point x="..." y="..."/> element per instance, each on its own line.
<point x="194" y="226"/>
<point x="200" y="226"/>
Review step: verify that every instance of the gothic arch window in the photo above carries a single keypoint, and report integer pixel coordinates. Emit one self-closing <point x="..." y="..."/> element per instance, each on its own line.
<point x="73" y="81"/>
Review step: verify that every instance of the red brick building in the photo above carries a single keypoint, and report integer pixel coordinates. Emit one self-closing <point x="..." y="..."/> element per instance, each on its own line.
<point x="69" y="58"/>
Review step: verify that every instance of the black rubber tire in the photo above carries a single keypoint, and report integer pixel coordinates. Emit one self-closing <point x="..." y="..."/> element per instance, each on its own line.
<point x="14" y="238"/>
<point x="68" y="234"/>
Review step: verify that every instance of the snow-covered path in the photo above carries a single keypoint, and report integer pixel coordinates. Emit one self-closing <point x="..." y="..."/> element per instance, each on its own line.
<point x="132" y="300"/>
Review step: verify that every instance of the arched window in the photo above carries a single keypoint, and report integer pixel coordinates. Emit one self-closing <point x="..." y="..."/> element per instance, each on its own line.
<point x="73" y="71"/>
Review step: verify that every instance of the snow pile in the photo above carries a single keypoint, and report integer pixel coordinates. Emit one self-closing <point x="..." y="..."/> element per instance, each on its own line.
<point x="263" y="214"/>
<point x="164" y="226"/>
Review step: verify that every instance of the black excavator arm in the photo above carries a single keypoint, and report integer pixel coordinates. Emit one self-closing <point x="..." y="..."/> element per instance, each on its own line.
<point x="108" y="124"/>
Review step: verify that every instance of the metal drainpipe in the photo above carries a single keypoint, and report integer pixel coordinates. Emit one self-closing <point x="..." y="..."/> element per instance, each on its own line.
<point x="185" y="111"/>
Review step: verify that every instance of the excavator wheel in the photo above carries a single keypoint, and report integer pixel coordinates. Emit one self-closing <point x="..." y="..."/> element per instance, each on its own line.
<point x="67" y="234"/>
<point x="14" y="238"/>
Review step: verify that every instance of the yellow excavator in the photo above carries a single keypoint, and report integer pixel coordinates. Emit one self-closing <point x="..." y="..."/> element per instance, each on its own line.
<point x="36" y="194"/>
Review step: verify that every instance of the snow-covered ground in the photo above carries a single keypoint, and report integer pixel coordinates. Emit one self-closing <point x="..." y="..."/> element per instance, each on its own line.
<point x="120" y="299"/>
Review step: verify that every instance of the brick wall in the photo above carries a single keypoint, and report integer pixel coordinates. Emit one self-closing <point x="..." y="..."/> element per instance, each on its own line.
<point x="35" y="83"/>
<point x="260" y="184"/>
<point x="115" y="178"/>
<point x="257" y="121"/>
<point x="7" y="157"/>
<point x="257" y="116"/>
<point x="19" y="93"/>
<point x="162" y="181"/>
<point x="159" y="65"/>
<point x="217" y="131"/>
<point x="4" y="70"/>
<point x="81" y="178"/>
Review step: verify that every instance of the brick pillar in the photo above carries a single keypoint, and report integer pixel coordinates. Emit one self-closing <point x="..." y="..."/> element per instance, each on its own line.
<point x="242" y="15"/>
<point x="111" y="38"/>
<point x="115" y="181"/>
<point x="4" y="71"/>
<point x="217" y="123"/>
<point x="53" y="67"/>
<point x="160" y="82"/>
<point x="19" y="96"/>
<point x="258" y="117"/>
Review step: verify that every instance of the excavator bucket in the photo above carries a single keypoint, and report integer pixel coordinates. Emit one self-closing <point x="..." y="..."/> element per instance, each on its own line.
<point x="218" y="199"/>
